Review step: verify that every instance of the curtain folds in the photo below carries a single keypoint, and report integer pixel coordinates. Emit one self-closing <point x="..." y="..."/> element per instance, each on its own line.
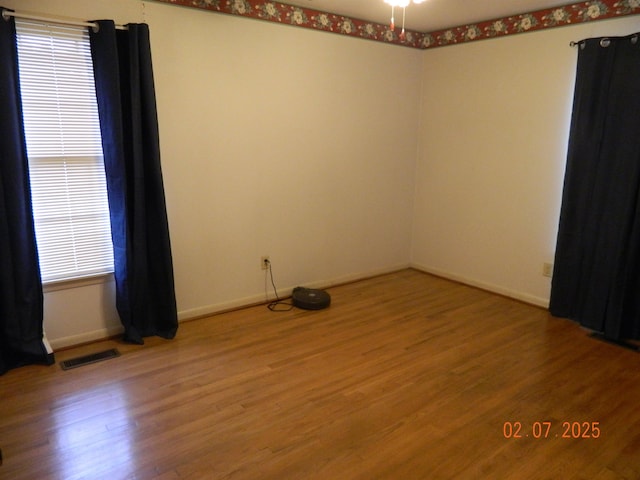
<point x="21" y="298"/>
<point x="596" y="279"/>
<point x="145" y="296"/>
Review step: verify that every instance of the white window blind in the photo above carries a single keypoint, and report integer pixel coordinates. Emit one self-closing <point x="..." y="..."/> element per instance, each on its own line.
<point x="64" y="147"/>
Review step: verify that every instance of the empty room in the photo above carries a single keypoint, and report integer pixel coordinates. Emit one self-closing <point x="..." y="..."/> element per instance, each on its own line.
<point x="451" y="184"/>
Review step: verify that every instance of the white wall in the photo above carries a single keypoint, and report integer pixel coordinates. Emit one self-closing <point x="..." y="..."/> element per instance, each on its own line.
<point x="275" y="141"/>
<point x="302" y="145"/>
<point x="284" y="142"/>
<point x="493" y="139"/>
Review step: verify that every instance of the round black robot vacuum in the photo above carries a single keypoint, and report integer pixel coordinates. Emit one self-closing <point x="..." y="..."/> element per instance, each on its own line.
<point x="310" y="298"/>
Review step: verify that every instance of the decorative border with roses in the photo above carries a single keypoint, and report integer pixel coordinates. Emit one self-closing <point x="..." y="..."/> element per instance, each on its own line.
<point x="267" y="10"/>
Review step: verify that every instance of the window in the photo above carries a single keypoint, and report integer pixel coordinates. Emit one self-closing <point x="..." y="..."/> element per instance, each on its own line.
<point x="64" y="147"/>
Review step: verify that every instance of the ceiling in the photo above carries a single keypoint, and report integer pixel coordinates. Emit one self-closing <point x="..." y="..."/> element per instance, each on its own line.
<point x="432" y="15"/>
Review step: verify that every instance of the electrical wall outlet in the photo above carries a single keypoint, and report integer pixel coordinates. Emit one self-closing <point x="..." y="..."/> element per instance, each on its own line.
<point x="547" y="269"/>
<point x="264" y="262"/>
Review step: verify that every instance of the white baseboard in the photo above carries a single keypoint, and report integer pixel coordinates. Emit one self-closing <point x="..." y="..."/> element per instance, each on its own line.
<point x="212" y="309"/>
<point x="86" y="337"/>
<point x="282" y="293"/>
<point x="521" y="296"/>
<point x="204" y="311"/>
<point x="355" y="277"/>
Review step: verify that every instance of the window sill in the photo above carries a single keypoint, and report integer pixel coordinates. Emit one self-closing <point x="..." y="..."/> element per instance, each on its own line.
<point x="67" y="284"/>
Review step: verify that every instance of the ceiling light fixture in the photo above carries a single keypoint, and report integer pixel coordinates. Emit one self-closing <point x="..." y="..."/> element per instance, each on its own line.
<point x="400" y="4"/>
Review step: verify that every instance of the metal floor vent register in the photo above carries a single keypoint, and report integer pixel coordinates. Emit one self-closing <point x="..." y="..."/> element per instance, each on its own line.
<point x="87" y="359"/>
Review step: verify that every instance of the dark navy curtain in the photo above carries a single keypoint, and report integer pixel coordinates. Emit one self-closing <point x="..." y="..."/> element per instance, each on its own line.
<point x="596" y="278"/>
<point x="21" y="299"/>
<point x="145" y="296"/>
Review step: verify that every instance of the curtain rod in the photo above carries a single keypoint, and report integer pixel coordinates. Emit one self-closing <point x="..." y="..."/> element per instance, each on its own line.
<point x="606" y="41"/>
<point x="8" y="13"/>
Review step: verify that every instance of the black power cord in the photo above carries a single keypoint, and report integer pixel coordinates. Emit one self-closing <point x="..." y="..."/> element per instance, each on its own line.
<point x="278" y="305"/>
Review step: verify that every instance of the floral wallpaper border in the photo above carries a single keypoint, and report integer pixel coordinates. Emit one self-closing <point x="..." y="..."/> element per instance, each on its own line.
<point x="527" y="22"/>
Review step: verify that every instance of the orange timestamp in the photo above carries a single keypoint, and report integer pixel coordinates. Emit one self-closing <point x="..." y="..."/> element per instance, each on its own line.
<point x="549" y="430"/>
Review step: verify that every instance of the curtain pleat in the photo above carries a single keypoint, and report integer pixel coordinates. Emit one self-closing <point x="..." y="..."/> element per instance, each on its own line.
<point x="597" y="264"/>
<point x="145" y="296"/>
<point x="21" y="298"/>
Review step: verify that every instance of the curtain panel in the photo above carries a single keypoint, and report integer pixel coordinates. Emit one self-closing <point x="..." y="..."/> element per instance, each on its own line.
<point x="22" y="339"/>
<point x="596" y="278"/>
<point x="143" y="269"/>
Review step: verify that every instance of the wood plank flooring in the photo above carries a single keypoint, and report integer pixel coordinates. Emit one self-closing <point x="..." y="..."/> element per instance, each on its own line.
<point x="405" y="376"/>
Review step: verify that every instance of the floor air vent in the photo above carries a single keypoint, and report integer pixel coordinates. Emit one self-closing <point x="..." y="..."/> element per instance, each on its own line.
<point x="87" y="359"/>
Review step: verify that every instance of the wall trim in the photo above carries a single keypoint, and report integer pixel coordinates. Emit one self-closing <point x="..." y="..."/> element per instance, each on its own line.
<point x="285" y="292"/>
<point x="222" y="307"/>
<point x="85" y="338"/>
<point x="567" y="15"/>
<point x="254" y="300"/>
<point x="266" y="10"/>
<point x="472" y="282"/>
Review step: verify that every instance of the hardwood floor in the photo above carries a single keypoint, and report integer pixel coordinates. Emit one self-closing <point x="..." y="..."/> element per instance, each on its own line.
<point x="405" y="376"/>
